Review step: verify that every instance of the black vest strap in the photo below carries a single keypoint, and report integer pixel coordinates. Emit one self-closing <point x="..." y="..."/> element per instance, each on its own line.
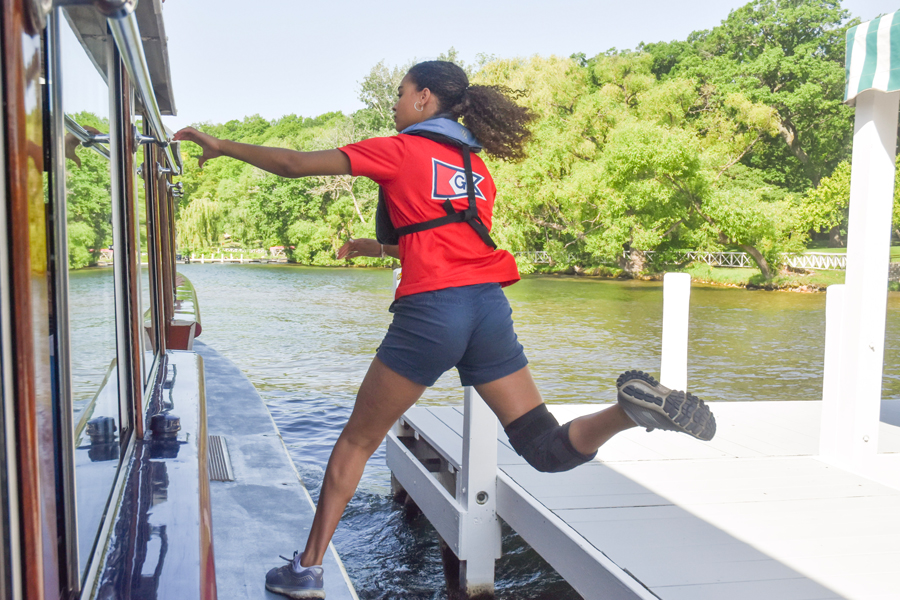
<point x="469" y="215"/>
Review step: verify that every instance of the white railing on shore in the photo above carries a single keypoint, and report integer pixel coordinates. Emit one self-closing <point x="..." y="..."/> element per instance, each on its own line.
<point x="538" y="257"/>
<point x="817" y="260"/>
<point x="541" y="257"/>
<point x="222" y="259"/>
<point x="821" y="261"/>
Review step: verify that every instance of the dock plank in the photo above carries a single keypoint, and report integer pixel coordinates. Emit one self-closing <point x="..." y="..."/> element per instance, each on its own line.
<point x="442" y="437"/>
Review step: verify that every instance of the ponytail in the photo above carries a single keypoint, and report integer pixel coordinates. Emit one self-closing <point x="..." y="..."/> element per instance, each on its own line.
<point x="488" y="111"/>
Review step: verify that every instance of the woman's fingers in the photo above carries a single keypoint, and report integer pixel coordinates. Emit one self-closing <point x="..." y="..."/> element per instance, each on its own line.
<point x="206" y="142"/>
<point x="359" y="247"/>
<point x="345" y="250"/>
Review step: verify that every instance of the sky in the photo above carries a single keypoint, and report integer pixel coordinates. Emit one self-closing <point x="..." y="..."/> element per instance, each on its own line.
<point x="283" y="57"/>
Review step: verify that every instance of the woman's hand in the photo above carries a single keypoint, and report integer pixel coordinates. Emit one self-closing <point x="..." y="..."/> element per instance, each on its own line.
<point x="360" y="247"/>
<point x="208" y="143"/>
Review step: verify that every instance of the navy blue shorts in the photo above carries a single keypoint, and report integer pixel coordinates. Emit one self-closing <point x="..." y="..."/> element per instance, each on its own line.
<point x="469" y="328"/>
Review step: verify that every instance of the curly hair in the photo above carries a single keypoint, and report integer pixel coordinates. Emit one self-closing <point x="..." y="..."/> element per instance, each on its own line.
<point x="488" y="111"/>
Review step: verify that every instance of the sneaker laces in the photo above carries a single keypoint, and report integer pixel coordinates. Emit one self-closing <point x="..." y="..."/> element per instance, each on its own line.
<point x="294" y="562"/>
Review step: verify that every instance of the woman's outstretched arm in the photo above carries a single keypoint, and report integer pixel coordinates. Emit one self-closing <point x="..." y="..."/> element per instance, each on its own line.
<point x="280" y="161"/>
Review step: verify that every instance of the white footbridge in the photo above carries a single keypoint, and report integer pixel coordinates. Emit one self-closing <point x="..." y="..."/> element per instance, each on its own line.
<point x="790" y="501"/>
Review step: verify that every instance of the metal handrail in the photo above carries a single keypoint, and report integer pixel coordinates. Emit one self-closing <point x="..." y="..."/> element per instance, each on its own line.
<point x="126" y="33"/>
<point x="87" y="139"/>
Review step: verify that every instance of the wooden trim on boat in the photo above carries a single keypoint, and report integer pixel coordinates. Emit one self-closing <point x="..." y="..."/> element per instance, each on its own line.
<point x="22" y="60"/>
<point x="167" y="256"/>
<point x="154" y="240"/>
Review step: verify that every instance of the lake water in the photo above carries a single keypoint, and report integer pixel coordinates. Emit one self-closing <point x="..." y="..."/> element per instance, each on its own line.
<point x="305" y="337"/>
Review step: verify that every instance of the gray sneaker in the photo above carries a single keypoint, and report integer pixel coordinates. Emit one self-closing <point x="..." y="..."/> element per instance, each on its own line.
<point x="307" y="583"/>
<point x="653" y="406"/>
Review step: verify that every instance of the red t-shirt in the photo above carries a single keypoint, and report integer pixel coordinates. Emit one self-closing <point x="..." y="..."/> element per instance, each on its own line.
<point x="417" y="176"/>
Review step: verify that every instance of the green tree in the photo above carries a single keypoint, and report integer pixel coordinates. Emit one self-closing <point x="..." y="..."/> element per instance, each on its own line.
<point x="88" y="200"/>
<point x="378" y="91"/>
<point x="785" y="54"/>
<point x="200" y="225"/>
<point x="826" y="208"/>
<point x="621" y="160"/>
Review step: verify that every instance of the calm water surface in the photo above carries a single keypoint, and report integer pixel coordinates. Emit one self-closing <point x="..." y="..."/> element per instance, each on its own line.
<point x="305" y="336"/>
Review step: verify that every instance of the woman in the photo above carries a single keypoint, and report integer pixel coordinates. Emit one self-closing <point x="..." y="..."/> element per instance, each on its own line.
<point x="449" y="308"/>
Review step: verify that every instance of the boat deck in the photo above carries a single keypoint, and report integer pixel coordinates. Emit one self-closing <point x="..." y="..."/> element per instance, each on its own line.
<point x="752" y="514"/>
<point x="266" y="510"/>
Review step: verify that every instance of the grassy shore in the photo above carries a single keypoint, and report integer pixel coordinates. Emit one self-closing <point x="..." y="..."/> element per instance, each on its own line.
<point x="751" y="278"/>
<point x="815" y="281"/>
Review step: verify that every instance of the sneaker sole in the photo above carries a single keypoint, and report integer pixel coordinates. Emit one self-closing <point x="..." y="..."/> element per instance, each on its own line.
<point x="299" y="594"/>
<point x="654" y="406"/>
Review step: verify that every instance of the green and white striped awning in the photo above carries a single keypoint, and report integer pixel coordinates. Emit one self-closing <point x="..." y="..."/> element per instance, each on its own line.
<point x="873" y="57"/>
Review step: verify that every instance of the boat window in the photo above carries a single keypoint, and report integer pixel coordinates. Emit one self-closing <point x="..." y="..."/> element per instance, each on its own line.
<point x="92" y="334"/>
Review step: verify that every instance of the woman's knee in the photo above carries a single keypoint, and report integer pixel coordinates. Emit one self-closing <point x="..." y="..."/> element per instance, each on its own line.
<point x="539" y="438"/>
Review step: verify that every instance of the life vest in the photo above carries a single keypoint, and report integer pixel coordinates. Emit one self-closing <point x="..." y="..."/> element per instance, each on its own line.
<point x="445" y="131"/>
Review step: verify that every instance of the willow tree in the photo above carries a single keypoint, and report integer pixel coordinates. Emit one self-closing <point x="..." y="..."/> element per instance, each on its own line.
<point x="200" y="224"/>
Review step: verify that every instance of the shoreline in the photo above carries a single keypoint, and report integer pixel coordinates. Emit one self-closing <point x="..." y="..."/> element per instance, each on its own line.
<point x="796" y="287"/>
<point x="784" y="282"/>
<point x="796" y="281"/>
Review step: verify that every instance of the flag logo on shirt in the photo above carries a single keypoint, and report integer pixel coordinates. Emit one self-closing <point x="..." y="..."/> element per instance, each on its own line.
<point x="448" y="182"/>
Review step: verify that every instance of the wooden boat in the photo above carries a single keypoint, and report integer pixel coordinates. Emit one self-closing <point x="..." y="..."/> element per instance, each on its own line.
<point x="104" y="474"/>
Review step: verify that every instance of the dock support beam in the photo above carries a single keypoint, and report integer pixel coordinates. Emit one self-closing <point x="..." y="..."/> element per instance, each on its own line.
<point x="676" y="312"/>
<point x="476" y="492"/>
<point x="852" y="384"/>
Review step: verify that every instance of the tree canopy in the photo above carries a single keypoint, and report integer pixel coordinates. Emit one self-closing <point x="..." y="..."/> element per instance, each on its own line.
<point x="734" y="138"/>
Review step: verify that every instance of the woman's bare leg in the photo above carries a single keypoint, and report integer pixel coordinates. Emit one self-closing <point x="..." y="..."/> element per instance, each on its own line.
<point x="382" y="399"/>
<point x="512" y="396"/>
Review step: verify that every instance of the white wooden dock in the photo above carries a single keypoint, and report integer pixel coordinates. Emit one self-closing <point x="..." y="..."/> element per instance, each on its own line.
<point x="754" y="514"/>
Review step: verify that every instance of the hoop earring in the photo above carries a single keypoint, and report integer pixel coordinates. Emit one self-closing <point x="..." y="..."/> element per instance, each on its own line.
<point x="416" y="106"/>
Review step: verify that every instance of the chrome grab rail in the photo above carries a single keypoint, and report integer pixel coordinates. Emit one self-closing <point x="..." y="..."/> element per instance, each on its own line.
<point x="124" y="27"/>
<point x="88" y="139"/>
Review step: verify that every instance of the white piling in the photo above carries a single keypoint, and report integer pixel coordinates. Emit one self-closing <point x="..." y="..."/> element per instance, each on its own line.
<point x="676" y="310"/>
<point x="476" y="491"/>
<point x="397" y="274"/>
<point x="830" y="432"/>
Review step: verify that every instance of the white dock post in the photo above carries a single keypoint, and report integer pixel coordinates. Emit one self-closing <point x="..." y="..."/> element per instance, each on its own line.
<point x="676" y="310"/>
<point x="397" y="275"/>
<point x="865" y="294"/>
<point x="476" y="492"/>
<point x="830" y="429"/>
